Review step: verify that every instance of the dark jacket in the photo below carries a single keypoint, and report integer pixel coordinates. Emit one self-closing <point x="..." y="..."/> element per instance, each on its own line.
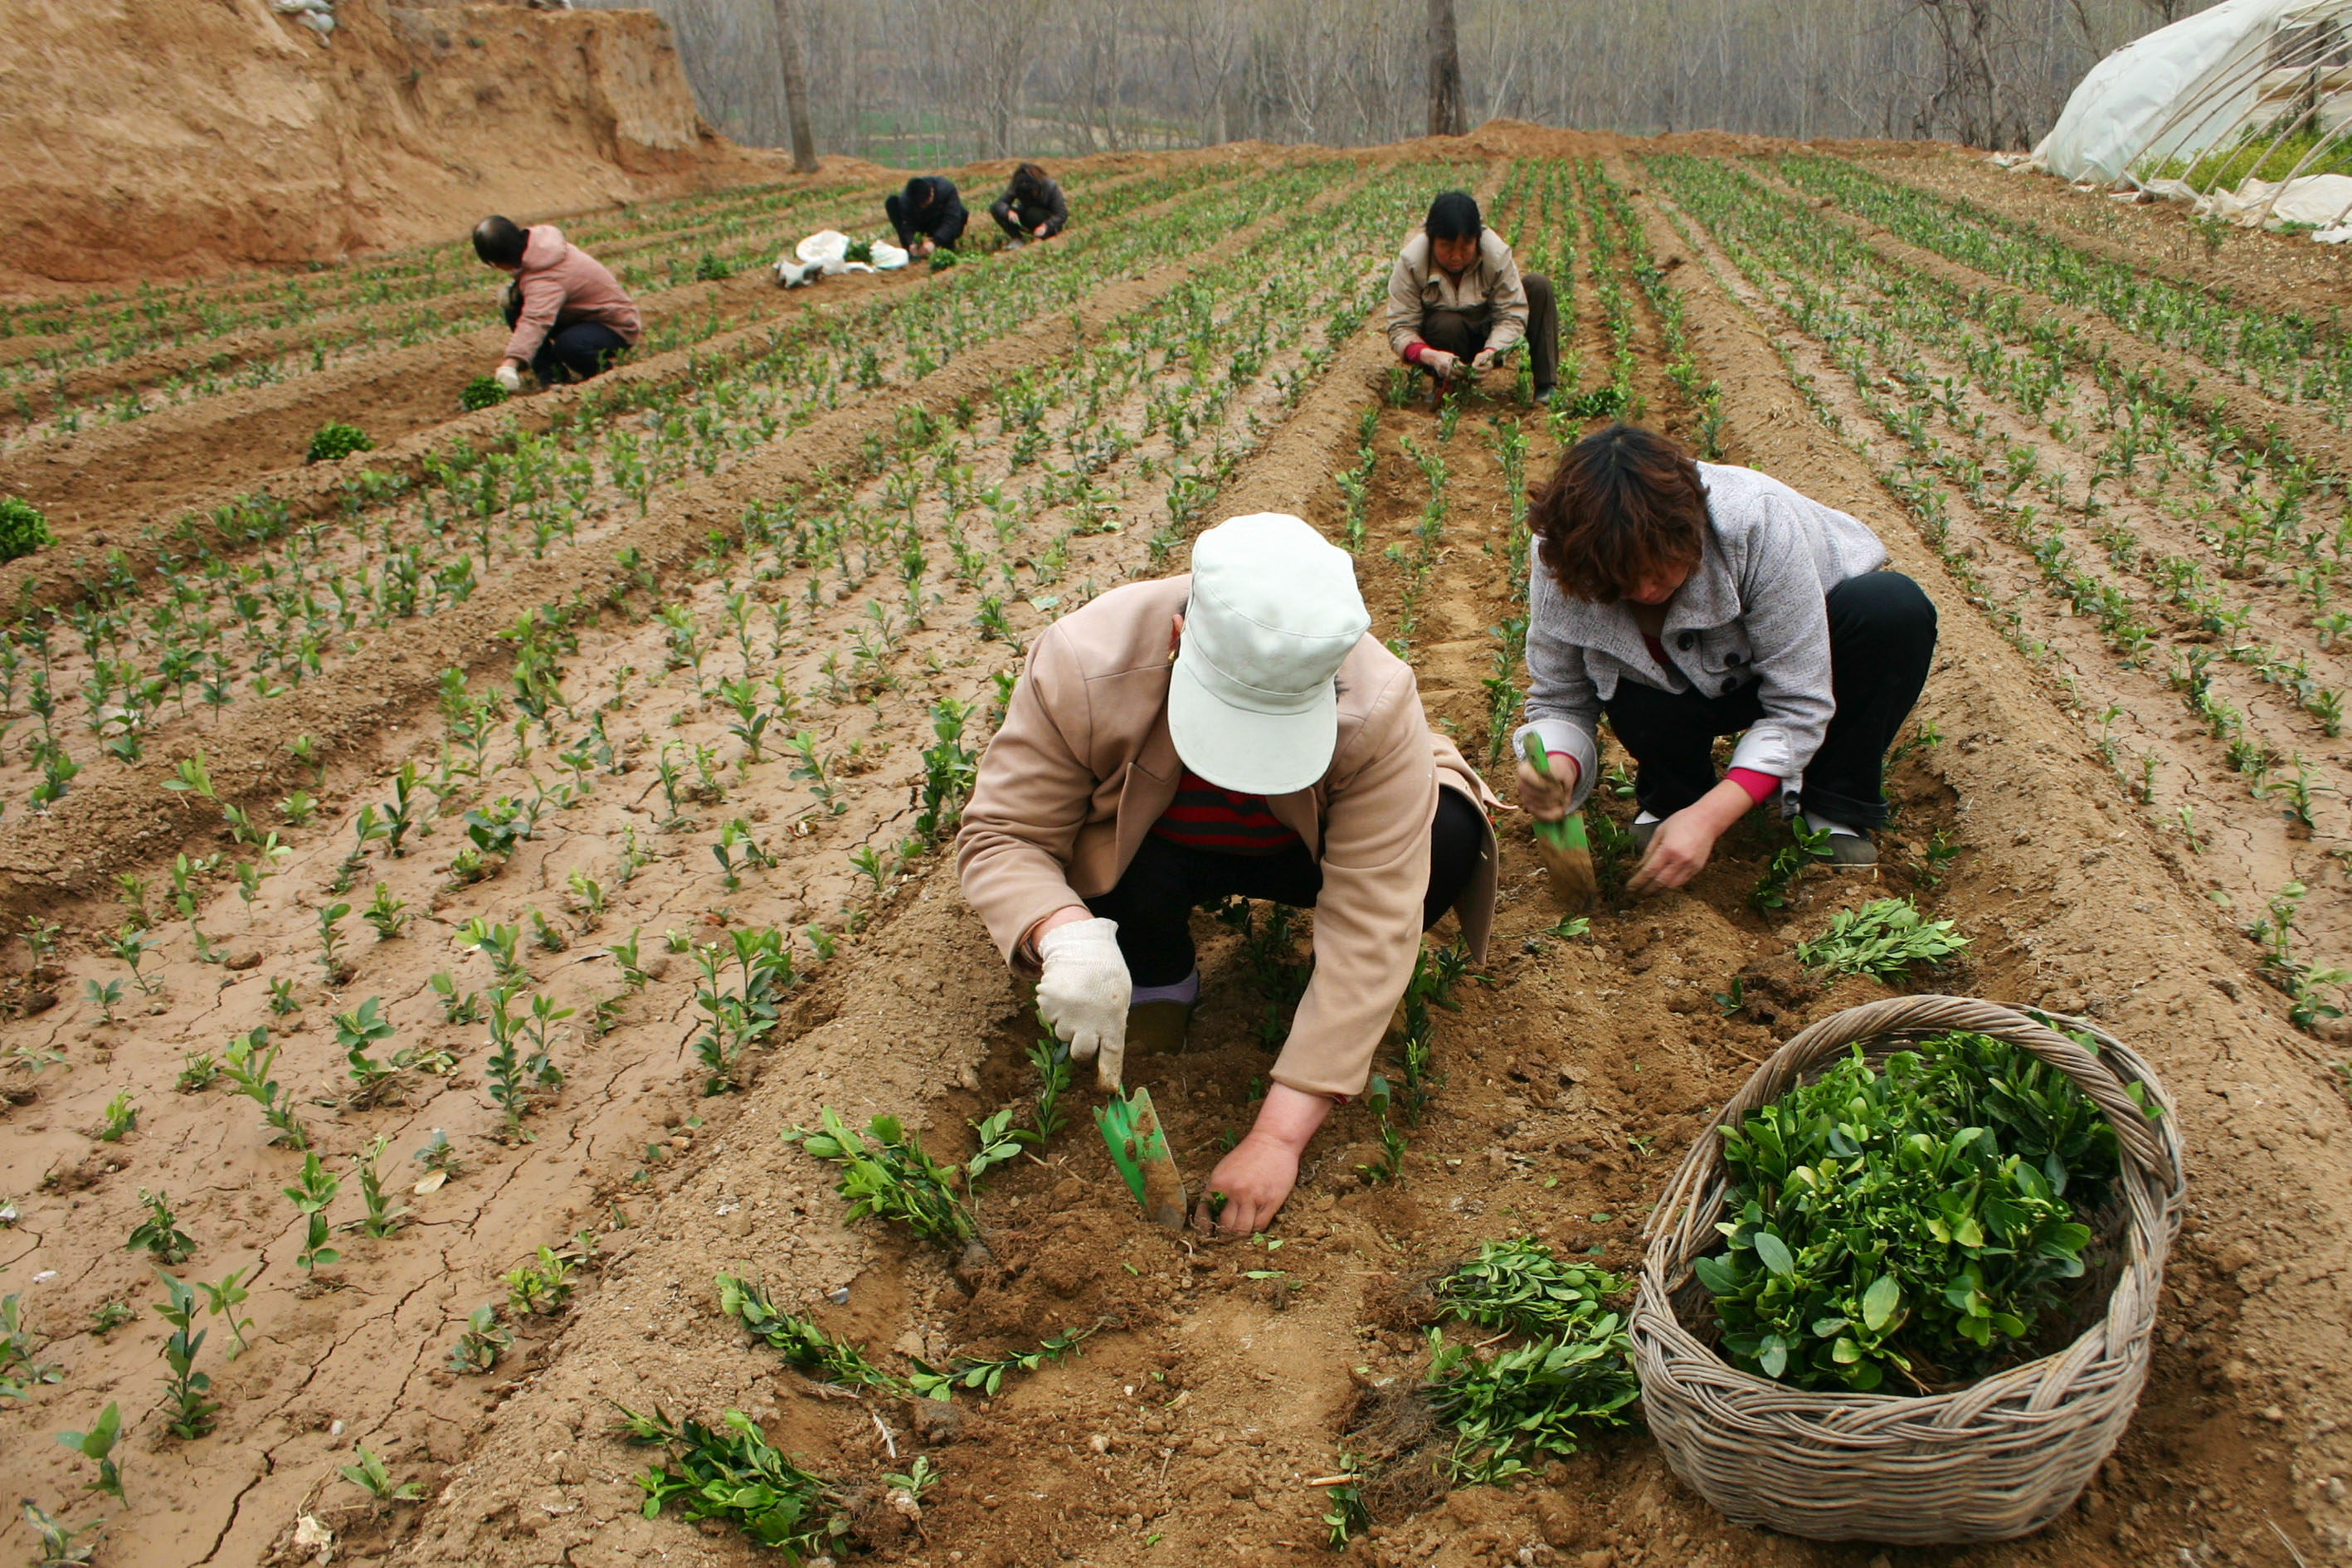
<point x="1050" y="209"/>
<point x="943" y="220"/>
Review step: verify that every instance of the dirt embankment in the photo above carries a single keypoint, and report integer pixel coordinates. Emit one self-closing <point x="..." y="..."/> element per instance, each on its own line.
<point x="143" y="137"/>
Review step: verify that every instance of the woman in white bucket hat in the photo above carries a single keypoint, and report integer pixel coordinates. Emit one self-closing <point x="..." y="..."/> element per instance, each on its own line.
<point x="1232" y="731"/>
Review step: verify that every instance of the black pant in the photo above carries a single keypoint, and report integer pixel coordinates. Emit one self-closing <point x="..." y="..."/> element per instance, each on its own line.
<point x="1165" y="882"/>
<point x="1881" y="639"/>
<point x="1014" y="222"/>
<point x="574" y="352"/>
<point x="910" y="231"/>
<point x="1452" y="331"/>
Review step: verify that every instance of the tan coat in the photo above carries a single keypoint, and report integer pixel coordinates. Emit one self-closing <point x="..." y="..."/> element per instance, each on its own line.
<point x="1084" y="766"/>
<point x="1490" y="293"/>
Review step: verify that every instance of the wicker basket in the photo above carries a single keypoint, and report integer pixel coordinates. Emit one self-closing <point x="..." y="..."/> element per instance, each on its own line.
<point x="1990" y="1461"/>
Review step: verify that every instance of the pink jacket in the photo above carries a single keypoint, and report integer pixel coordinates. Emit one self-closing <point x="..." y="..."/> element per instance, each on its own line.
<point x="1083" y="767"/>
<point x="562" y="285"/>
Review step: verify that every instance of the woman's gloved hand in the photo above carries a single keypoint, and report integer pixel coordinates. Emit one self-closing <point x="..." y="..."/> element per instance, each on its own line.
<point x="1084" y="994"/>
<point x="508" y="376"/>
<point x="1440" y="364"/>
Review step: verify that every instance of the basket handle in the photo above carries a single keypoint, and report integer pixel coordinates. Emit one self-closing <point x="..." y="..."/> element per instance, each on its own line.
<point x="1936" y="1014"/>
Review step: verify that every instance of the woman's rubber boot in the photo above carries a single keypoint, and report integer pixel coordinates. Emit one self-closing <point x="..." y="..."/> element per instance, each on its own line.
<point x="1158" y="1027"/>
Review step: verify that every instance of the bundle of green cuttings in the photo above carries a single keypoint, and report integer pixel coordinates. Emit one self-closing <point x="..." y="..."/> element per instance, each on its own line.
<point x="733" y="1474"/>
<point x="1922" y="1217"/>
<point x="1882" y="939"/>
<point x="887" y="1171"/>
<point x="1511" y="1410"/>
<point x="1485" y="1416"/>
<point x="806" y="1345"/>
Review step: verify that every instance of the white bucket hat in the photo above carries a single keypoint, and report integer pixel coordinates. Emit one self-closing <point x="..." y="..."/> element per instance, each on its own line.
<point x="1251" y="703"/>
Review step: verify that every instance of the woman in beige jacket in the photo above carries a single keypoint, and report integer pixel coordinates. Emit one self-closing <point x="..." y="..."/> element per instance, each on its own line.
<point x="1236" y="731"/>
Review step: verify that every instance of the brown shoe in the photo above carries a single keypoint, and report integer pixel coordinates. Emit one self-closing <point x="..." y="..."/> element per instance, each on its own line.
<point x="1158" y="1027"/>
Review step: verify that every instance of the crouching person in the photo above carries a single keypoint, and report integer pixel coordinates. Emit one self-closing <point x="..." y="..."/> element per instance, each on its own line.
<point x="569" y="316"/>
<point x="1690" y="600"/>
<point x="1458" y="303"/>
<point x="928" y="215"/>
<point x="1234" y="731"/>
<point x="1032" y="207"/>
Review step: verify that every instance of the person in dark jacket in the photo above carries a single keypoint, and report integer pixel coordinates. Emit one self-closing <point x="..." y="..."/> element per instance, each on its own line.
<point x="928" y="214"/>
<point x="1032" y="206"/>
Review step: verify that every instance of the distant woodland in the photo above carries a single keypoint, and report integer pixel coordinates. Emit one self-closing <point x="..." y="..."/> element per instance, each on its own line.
<point x="911" y="82"/>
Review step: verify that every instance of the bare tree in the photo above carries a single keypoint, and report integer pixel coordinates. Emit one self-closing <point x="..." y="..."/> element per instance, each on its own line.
<point x="929" y="81"/>
<point x="795" y="85"/>
<point x="1445" y="112"/>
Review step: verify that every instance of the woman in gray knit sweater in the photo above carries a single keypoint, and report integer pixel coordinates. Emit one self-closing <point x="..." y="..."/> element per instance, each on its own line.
<point x="1689" y="600"/>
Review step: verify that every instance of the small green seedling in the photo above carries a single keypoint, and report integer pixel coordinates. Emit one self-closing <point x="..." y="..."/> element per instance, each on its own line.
<point x="57" y="1546"/>
<point x="121" y="1115"/>
<point x="248" y="1061"/>
<point x="106" y="998"/>
<point x="20" y="1373"/>
<point x="383" y="1215"/>
<point x="371" y="1476"/>
<point x="482" y="1342"/>
<point x="159" y="1234"/>
<point x="384" y="912"/>
<point x="97" y="1446"/>
<point x="223" y="1298"/>
<point x="191" y="1406"/>
<point x="310" y="1195"/>
<point x="542" y="1288"/>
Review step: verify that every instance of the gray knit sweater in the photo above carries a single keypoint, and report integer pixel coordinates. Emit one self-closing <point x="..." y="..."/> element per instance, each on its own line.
<point x="1753" y="612"/>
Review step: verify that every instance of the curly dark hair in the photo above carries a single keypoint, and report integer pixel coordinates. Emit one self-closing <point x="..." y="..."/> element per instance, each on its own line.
<point x="1626" y="506"/>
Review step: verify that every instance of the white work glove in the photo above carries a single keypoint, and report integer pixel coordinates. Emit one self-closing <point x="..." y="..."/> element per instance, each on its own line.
<point x="1084" y="994"/>
<point x="1439" y="364"/>
<point x="506" y="376"/>
<point x="1484" y="362"/>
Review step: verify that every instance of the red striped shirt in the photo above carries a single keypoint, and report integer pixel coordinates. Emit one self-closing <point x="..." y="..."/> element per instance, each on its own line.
<point x="1203" y="817"/>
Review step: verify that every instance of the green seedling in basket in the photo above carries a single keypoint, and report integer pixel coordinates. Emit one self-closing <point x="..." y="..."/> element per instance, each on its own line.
<point x="1566" y="854"/>
<point x="1130" y="1127"/>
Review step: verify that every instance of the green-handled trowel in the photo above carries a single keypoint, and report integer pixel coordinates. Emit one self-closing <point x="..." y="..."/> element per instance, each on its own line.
<point x="1565" y="854"/>
<point x="1139" y="1148"/>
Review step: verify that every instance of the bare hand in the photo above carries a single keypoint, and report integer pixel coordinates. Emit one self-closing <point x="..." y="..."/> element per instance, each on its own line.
<point x="1678" y="851"/>
<point x="1484" y="362"/>
<point x="1039" y="231"/>
<point x="1544" y="795"/>
<point x="1254" y="1178"/>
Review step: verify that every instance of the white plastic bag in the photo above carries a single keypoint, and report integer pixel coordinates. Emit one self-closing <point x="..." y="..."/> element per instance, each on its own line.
<point x="794" y="274"/>
<point x="827" y="247"/>
<point x="887" y="258"/>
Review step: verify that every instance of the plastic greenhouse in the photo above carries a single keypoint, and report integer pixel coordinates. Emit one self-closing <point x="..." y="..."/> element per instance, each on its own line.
<point x="2244" y="109"/>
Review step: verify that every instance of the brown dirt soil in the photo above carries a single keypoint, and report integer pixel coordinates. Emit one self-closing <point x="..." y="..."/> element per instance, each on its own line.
<point x="1220" y="1379"/>
<point x="265" y="145"/>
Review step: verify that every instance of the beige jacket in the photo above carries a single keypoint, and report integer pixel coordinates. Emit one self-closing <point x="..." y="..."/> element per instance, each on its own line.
<point x="1489" y="292"/>
<point x="1084" y="766"/>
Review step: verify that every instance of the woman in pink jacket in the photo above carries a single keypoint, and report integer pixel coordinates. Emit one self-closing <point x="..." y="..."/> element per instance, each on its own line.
<point x="571" y="316"/>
